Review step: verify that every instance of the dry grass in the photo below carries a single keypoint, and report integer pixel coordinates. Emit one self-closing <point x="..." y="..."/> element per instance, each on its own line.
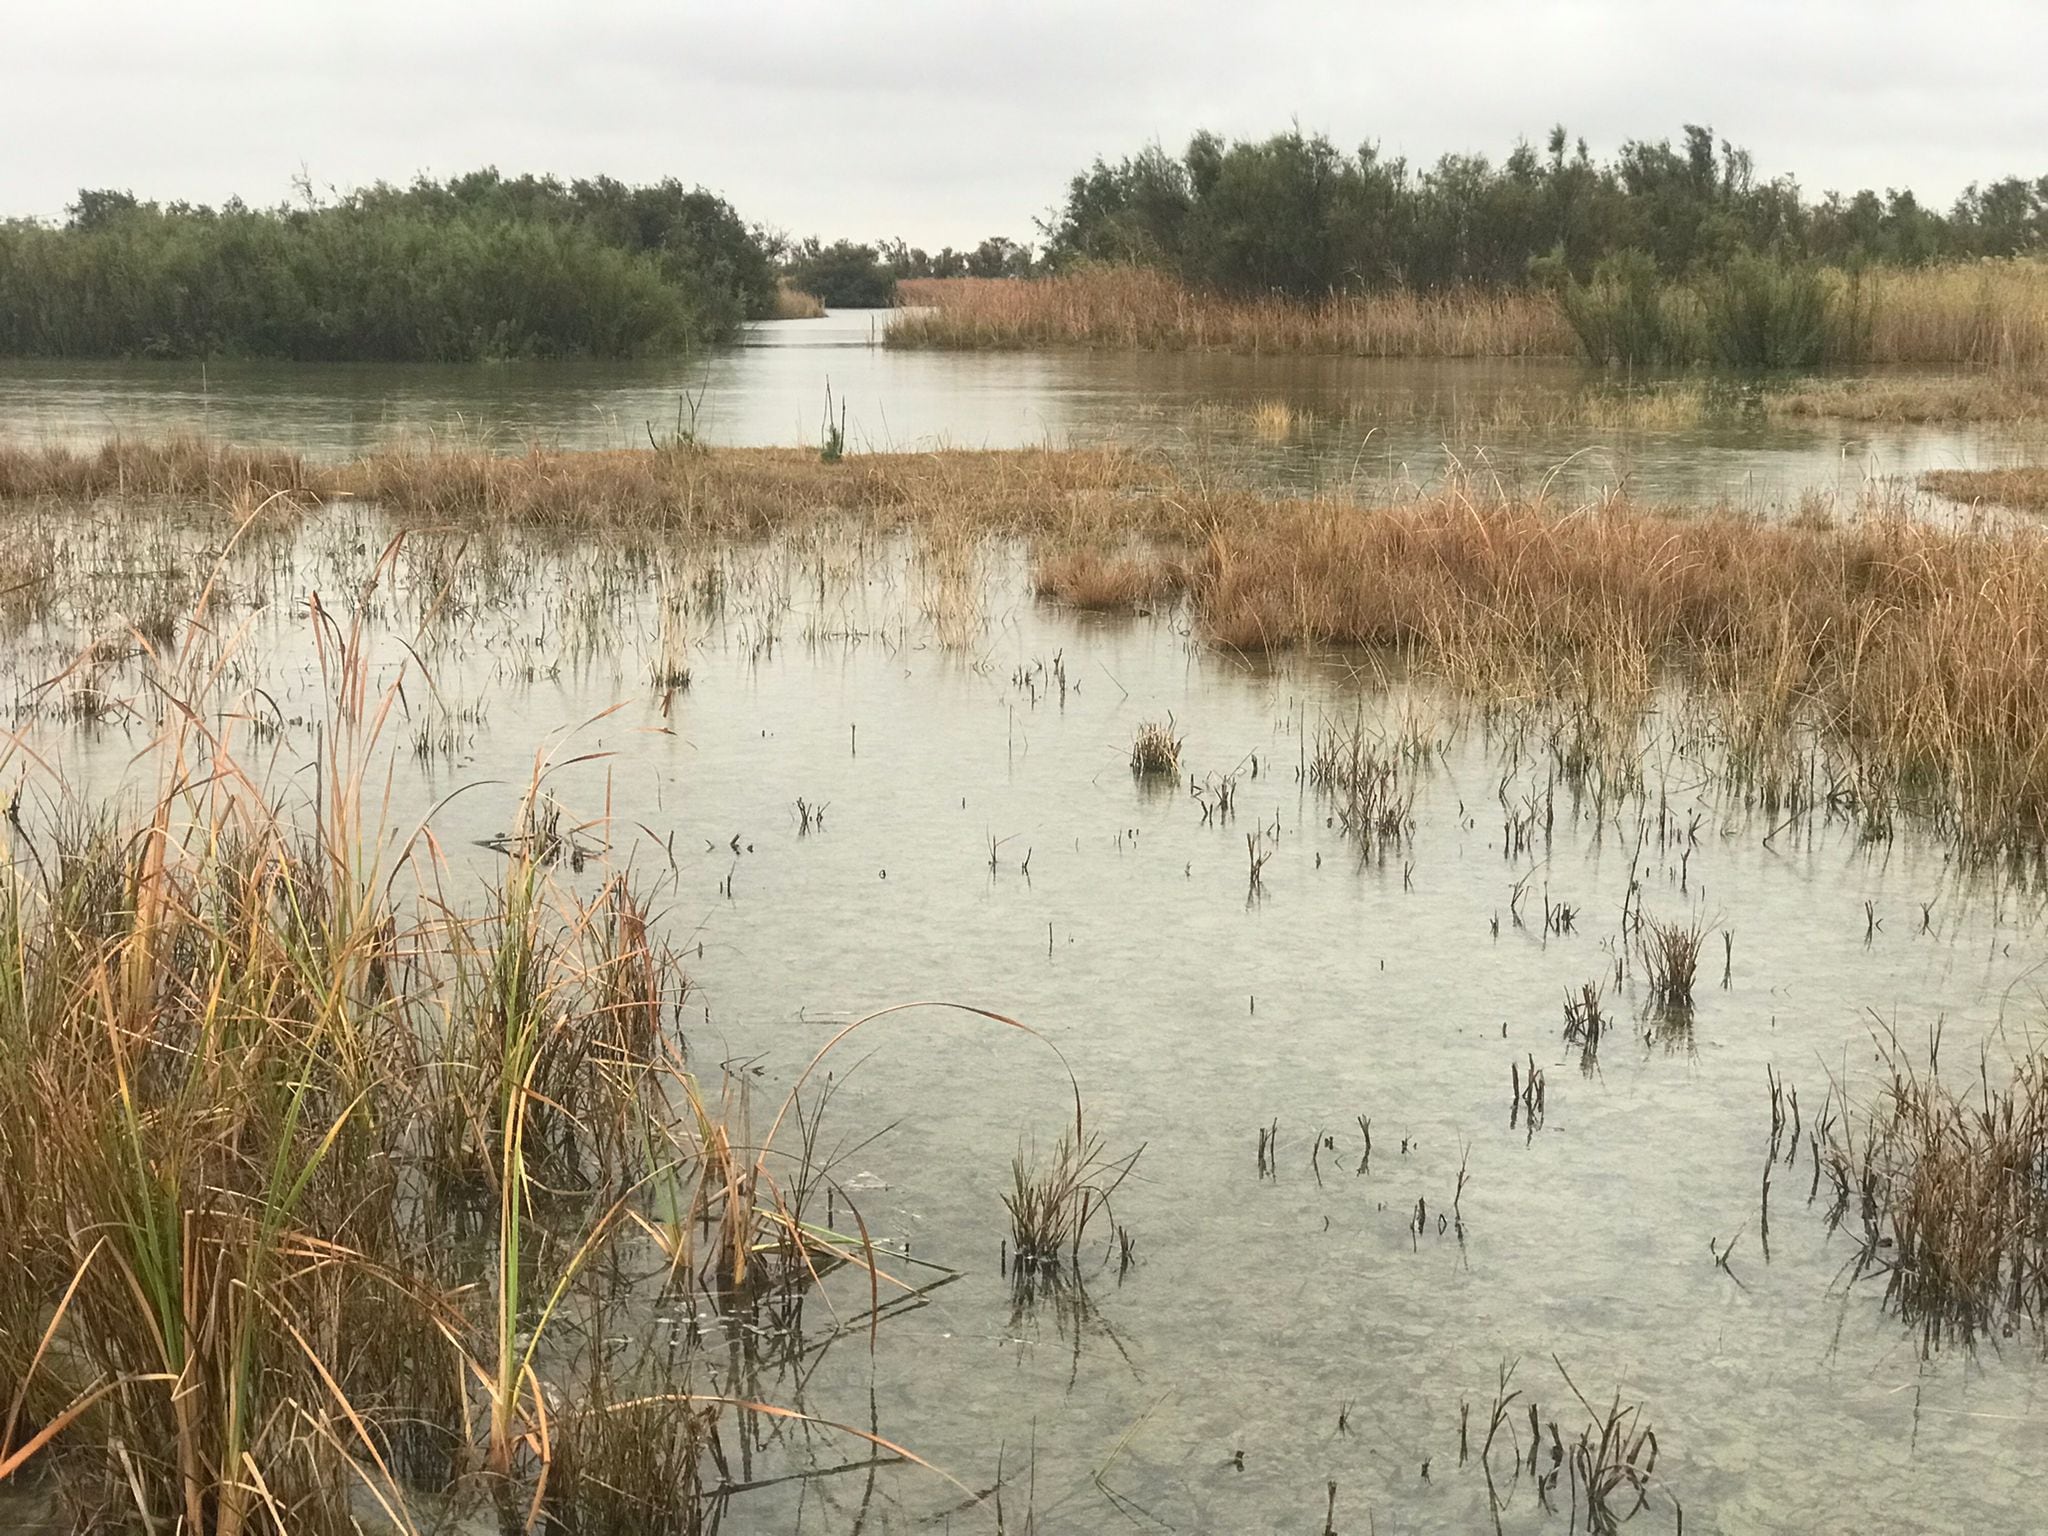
<point x="2024" y="489"/>
<point x="1155" y="750"/>
<point x="1990" y="314"/>
<point x="319" y="1189"/>
<point x="795" y="304"/>
<point x="1981" y="314"/>
<point x="1945" y="1184"/>
<point x="2004" y="395"/>
<point x="1107" y="580"/>
<point x="1671" y="959"/>
<point x="1278" y="420"/>
<point x="1135" y="307"/>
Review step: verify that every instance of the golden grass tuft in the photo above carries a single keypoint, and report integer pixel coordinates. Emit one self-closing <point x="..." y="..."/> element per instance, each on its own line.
<point x="795" y="304"/>
<point x="1155" y="750"/>
<point x="1088" y="577"/>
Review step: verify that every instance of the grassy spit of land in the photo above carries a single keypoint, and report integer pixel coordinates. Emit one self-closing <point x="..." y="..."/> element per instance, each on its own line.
<point x="2023" y="489"/>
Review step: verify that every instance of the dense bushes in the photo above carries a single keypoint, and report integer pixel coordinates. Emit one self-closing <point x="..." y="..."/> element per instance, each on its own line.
<point x="476" y="267"/>
<point x="1297" y="215"/>
<point x="1756" y="312"/>
<point x="842" y="275"/>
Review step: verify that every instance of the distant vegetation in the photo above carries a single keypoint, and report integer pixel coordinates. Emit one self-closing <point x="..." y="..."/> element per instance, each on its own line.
<point x="477" y="267"/>
<point x="842" y="275"/>
<point x="1295" y="214"/>
<point x="1665" y="254"/>
<point x="1753" y="313"/>
<point x="846" y="275"/>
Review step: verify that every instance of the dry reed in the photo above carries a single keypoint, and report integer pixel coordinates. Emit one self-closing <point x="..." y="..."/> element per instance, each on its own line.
<point x="1986" y="314"/>
<point x="1155" y="750"/>
<point x="1944" y="1183"/>
<point x="795" y="304"/>
<point x="2024" y="489"/>
<point x="1136" y="307"/>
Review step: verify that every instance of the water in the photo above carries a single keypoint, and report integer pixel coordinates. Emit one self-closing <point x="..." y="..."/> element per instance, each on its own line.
<point x="1203" y="1390"/>
<point x="1401" y="421"/>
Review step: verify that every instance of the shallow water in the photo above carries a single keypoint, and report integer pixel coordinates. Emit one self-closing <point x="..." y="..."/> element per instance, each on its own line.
<point x="1377" y="421"/>
<point x="1261" y="1311"/>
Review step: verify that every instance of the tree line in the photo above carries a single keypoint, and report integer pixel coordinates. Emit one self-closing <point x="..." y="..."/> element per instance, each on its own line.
<point x="1296" y="214"/>
<point x="479" y="266"/>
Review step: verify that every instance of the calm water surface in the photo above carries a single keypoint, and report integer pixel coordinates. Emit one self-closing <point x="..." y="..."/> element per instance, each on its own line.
<point x="1372" y="420"/>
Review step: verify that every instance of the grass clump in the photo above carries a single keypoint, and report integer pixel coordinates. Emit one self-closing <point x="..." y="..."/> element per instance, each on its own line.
<point x="795" y="304"/>
<point x="1368" y="792"/>
<point x="1671" y="959"/>
<point x="1089" y="577"/>
<point x="1051" y="1205"/>
<point x="1155" y="750"/>
<point x="1944" y="1183"/>
<point x="319" y="1189"/>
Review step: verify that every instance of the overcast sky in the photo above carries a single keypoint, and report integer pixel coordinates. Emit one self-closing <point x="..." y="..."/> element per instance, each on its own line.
<point x="946" y="122"/>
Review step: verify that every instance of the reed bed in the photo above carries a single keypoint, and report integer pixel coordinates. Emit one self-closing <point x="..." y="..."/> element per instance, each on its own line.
<point x="2024" y="489"/>
<point x="1994" y="394"/>
<point x="1138" y="307"/>
<point x="795" y="304"/>
<point x="1978" y="314"/>
<point x="1983" y="314"/>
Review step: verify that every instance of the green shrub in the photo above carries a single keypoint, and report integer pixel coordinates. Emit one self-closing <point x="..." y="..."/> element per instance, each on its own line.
<point x="1767" y="314"/>
<point x="1619" y="315"/>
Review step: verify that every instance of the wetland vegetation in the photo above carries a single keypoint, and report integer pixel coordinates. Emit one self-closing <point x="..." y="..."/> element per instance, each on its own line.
<point x="473" y="908"/>
<point x="373" y="1159"/>
<point x="480" y="266"/>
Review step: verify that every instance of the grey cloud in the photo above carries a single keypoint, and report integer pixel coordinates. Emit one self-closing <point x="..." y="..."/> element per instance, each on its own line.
<point x="947" y="122"/>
